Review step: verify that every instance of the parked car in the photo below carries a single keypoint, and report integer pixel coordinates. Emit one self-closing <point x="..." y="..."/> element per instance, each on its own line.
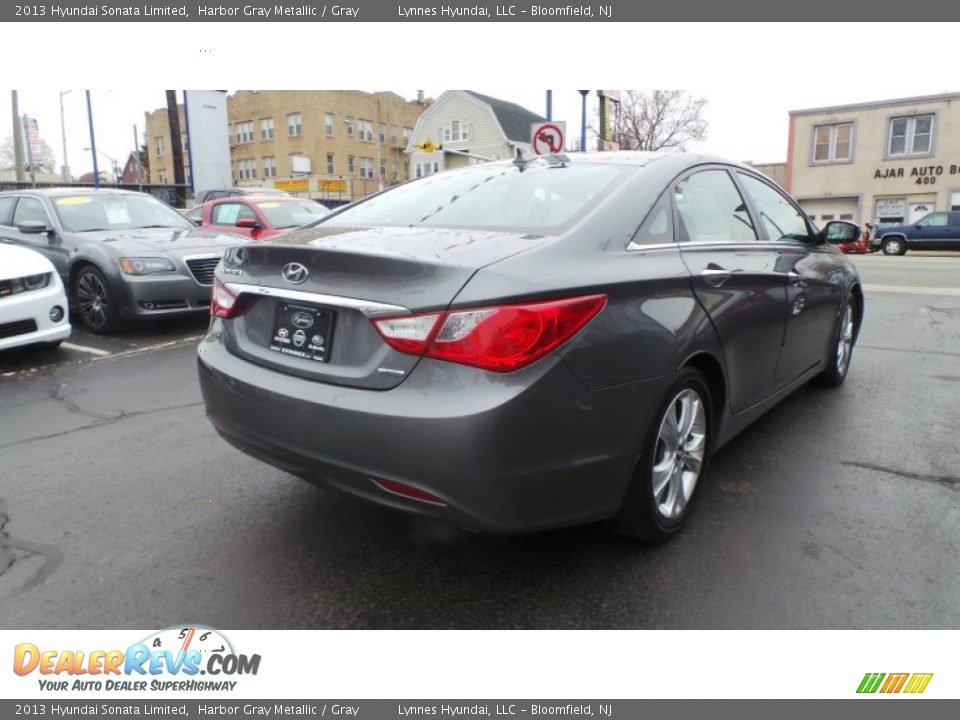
<point x="120" y="254"/>
<point x="936" y="231"/>
<point x="33" y="304"/>
<point x="530" y="344"/>
<point x="859" y="246"/>
<point x="216" y="193"/>
<point x="258" y="217"/>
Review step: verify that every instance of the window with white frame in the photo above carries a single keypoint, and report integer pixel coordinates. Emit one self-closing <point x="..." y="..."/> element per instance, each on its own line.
<point x="911" y="135"/>
<point x="351" y="164"/>
<point x="328" y="124"/>
<point x="267" y="129"/>
<point x="366" y="168"/>
<point x="244" y="131"/>
<point x="833" y="143"/>
<point x="162" y="176"/>
<point x="158" y="145"/>
<point x="269" y="166"/>
<point x="366" y="130"/>
<point x="383" y="169"/>
<point x="349" y="123"/>
<point x="456" y="131"/>
<point x="246" y="169"/>
<point x="294" y="124"/>
<point x="382" y="135"/>
<point x="331" y="164"/>
<point x="185" y="144"/>
<point x="427" y="168"/>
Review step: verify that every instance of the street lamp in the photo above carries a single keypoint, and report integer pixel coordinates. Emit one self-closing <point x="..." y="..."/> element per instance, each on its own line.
<point x="113" y="162"/>
<point x="583" y="121"/>
<point x="63" y="134"/>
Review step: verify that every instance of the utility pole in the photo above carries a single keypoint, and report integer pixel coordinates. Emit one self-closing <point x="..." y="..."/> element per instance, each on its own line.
<point x="583" y="121"/>
<point x="176" y="146"/>
<point x="136" y="154"/>
<point x="93" y="143"/>
<point x="63" y="136"/>
<point x="17" y="137"/>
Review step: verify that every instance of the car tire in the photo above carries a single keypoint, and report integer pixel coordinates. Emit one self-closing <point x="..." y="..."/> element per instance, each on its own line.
<point x="841" y="349"/>
<point x="94" y="301"/>
<point x="662" y="490"/>
<point x="894" y="245"/>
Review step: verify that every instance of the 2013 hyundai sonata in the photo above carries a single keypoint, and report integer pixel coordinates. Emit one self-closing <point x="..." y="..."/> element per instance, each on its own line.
<point x="530" y="344"/>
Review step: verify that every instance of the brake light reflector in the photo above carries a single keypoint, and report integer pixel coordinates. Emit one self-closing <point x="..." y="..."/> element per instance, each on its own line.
<point x="502" y="338"/>
<point x="223" y="303"/>
<point x="408" y="491"/>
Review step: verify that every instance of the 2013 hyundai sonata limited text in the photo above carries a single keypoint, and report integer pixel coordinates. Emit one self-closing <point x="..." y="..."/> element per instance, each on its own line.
<point x="533" y="343"/>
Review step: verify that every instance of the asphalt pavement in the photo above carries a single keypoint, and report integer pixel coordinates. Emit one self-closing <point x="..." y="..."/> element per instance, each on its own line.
<point x="121" y="507"/>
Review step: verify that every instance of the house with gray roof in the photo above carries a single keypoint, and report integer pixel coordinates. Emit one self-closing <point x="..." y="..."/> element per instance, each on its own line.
<point x="467" y="127"/>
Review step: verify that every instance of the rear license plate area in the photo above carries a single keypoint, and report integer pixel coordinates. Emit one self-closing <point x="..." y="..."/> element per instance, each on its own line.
<point x="302" y="331"/>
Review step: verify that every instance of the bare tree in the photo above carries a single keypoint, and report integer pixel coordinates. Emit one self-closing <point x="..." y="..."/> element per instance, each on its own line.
<point x="660" y="120"/>
<point x="46" y="162"/>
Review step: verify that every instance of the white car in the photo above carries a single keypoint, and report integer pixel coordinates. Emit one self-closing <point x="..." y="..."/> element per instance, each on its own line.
<point x="33" y="304"/>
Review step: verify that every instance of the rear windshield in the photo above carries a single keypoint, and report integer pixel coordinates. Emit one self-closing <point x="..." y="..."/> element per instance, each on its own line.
<point x="540" y="199"/>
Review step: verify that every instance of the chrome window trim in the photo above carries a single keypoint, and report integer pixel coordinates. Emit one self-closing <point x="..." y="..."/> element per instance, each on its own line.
<point x="367" y="307"/>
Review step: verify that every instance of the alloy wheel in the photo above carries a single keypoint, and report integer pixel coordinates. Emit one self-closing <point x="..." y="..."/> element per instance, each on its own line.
<point x="845" y="341"/>
<point x="678" y="458"/>
<point x="92" y="300"/>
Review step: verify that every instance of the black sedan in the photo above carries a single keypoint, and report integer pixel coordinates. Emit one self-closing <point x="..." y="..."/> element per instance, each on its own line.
<point x="121" y="254"/>
<point x="530" y="344"/>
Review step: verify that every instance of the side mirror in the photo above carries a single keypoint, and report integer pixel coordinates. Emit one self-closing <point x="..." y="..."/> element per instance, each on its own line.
<point x="32" y="227"/>
<point x="837" y="232"/>
<point x="248" y="223"/>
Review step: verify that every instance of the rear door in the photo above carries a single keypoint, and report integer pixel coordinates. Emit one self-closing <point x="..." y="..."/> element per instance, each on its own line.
<point x="812" y="273"/>
<point x="735" y="279"/>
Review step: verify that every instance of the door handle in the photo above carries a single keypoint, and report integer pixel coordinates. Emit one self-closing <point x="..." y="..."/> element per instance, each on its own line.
<point x="715" y="271"/>
<point x="715" y="276"/>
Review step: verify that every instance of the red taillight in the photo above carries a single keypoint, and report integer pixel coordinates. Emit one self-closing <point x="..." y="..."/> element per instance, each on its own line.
<point x="501" y="339"/>
<point x="223" y="303"/>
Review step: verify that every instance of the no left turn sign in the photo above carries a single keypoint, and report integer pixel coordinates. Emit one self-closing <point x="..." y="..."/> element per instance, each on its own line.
<point x="547" y="138"/>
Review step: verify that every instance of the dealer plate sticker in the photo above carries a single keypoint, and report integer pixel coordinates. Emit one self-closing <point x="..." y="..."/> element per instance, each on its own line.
<point x="302" y="331"/>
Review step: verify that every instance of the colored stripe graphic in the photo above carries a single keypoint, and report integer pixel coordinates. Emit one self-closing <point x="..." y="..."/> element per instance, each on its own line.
<point x="894" y="683"/>
<point x="870" y="682"/>
<point x="918" y="683"/>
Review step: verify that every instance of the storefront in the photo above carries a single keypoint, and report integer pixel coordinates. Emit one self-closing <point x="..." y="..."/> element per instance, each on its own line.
<point x="887" y="162"/>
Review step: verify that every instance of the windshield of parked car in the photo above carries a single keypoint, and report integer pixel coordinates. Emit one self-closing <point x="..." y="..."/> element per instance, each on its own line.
<point x="109" y="211"/>
<point x="540" y="198"/>
<point x="291" y="214"/>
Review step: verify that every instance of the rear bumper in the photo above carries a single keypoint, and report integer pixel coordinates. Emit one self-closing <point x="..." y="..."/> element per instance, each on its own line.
<point x="525" y="451"/>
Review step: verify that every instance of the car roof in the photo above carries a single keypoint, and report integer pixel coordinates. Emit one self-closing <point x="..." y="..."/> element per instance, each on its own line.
<point x="61" y="191"/>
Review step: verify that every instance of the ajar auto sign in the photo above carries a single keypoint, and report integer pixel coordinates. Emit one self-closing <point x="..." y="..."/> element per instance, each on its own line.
<point x="921" y="174"/>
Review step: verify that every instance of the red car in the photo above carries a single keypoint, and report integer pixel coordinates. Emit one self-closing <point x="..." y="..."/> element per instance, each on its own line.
<point x="858" y="246"/>
<point x="258" y="217"/>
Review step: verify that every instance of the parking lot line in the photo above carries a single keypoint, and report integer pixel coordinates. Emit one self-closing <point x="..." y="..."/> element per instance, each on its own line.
<point x="84" y="348"/>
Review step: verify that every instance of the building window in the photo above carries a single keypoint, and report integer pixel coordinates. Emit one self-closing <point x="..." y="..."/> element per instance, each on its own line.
<point x="269" y="167"/>
<point x="246" y="169"/>
<point x="427" y="168"/>
<point x="328" y="124"/>
<point x="331" y="166"/>
<point x="407" y="132"/>
<point x="348" y="121"/>
<point x="366" y="168"/>
<point x="266" y="129"/>
<point x="159" y="145"/>
<point x="406" y="170"/>
<point x="911" y="135"/>
<point x="456" y="131"/>
<point x="833" y="143"/>
<point x="396" y="171"/>
<point x="162" y="176"/>
<point x="366" y="130"/>
<point x="383" y="169"/>
<point x="382" y="135"/>
<point x="351" y="164"/>
<point x="294" y="124"/>
<point x="244" y="131"/>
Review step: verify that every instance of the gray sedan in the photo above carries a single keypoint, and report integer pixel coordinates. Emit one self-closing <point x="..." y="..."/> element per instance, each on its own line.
<point x="121" y="254"/>
<point x="530" y="344"/>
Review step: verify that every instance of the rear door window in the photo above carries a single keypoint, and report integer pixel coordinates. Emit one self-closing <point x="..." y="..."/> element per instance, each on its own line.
<point x="710" y="209"/>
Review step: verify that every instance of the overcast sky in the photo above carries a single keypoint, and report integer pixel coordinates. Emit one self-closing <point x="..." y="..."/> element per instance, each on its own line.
<point x="751" y="73"/>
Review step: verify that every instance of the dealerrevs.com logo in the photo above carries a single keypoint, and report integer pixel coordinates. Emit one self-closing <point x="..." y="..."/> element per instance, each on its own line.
<point x="171" y="659"/>
<point x="910" y="683"/>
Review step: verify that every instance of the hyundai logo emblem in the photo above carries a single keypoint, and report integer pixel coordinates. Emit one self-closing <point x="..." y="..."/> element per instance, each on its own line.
<point x="295" y="273"/>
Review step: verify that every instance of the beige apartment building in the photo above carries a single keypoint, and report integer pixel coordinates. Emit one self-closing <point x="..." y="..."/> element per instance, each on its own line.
<point x="885" y="162"/>
<point x="335" y="145"/>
